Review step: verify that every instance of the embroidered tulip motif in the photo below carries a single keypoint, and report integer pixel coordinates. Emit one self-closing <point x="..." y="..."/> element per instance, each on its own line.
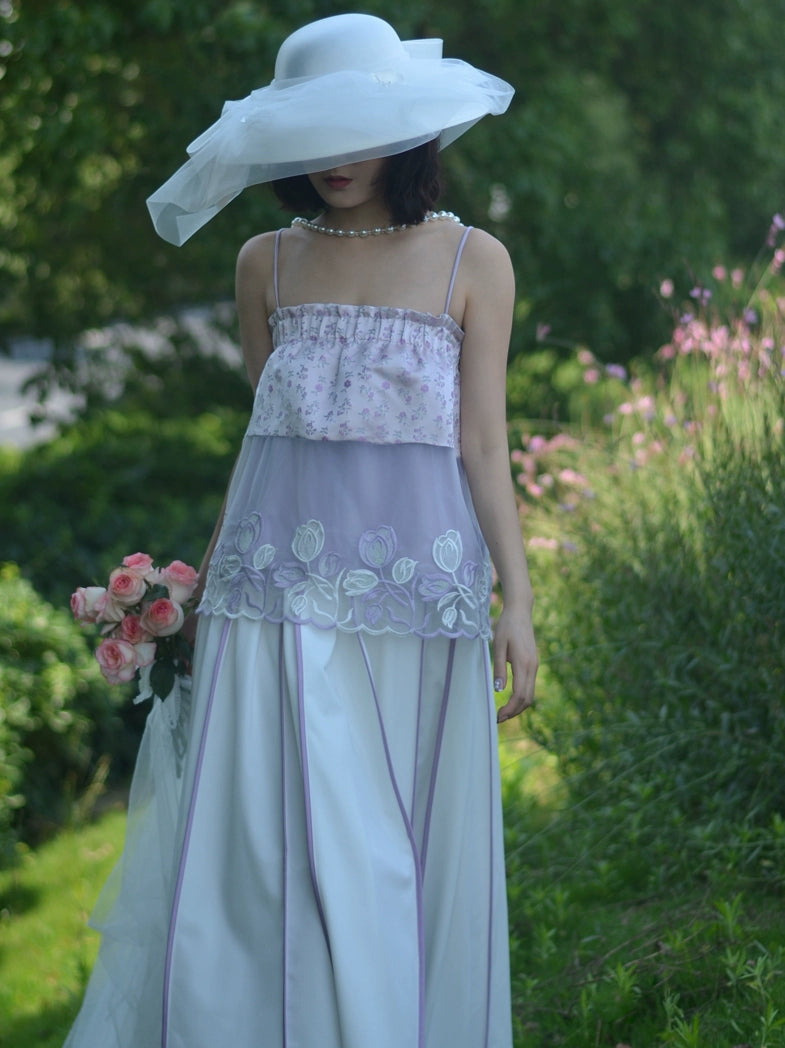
<point x="359" y="581"/>
<point x="308" y="541"/>
<point x="248" y="533"/>
<point x="263" y="557"/>
<point x="378" y="547"/>
<point x="448" y="551"/>
<point x="368" y="588"/>
<point x="403" y="570"/>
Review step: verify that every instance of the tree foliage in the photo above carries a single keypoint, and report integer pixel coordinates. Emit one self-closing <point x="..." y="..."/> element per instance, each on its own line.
<point x="643" y="137"/>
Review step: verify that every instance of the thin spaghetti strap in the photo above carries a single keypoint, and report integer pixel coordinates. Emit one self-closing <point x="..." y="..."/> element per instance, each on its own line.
<point x="275" y="268"/>
<point x="455" y="264"/>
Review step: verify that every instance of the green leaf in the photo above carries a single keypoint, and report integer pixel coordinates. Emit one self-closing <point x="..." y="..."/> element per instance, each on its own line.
<point x="162" y="677"/>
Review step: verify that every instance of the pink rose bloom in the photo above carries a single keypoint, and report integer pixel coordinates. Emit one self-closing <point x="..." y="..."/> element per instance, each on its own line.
<point x="163" y="617"/>
<point x="180" y="579"/>
<point x="84" y="603"/>
<point x="107" y="609"/>
<point x="138" y="564"/>
<point x="144" y="653"/>
<point x="132" y="630"/>
<point x="117" y="659"/>
<point x="126" y="588"/>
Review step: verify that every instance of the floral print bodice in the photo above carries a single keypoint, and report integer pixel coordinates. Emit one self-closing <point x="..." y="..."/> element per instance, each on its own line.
<point x="378" y="374"/>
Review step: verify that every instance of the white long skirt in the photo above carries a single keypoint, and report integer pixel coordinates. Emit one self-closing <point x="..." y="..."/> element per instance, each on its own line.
<point x="314" y="853"/>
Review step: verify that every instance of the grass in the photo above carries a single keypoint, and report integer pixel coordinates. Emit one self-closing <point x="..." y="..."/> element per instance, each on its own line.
<point x="612" y="947"/>
<point x="46" y="948"/>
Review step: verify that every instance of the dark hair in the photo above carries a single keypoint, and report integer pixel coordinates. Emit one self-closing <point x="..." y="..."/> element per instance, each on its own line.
<point x="412" y="186"/>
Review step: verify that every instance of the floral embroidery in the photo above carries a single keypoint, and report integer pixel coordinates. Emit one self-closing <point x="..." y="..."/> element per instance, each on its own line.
<point x="380" y="592"/>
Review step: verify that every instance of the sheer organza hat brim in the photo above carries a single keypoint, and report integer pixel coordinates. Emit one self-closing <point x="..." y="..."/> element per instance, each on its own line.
<point x="298" y="126"/>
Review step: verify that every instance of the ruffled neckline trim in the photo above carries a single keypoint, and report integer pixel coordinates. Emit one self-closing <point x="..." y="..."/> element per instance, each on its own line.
<point x="348" y="309"/>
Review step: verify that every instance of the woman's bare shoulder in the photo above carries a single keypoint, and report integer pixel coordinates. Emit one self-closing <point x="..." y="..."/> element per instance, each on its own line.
<point x="257" y="253"/>
<point x="482" y="250"/>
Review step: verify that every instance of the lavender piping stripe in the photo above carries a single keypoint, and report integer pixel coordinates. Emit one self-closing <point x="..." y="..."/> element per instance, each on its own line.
<point x="413" y="845"/>
<point x="187" y="838"/>
<point x="492" y="741"/>
<point x="284" y="825"/>
<point x="437" y="751"/>
<point x="417" y="729"/>
<point x="307" y="783"/>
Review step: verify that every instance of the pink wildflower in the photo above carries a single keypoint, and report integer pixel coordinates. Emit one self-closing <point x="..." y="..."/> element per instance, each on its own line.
<point x="719" y="273"/>
<point x="616" y="371"/>
<point x="571" y="476"/>
<point x="666" y="288"/>
<point x="539" y="542"/>
<point x="562" y="440"/>
<point x="687" y="454"/>
<point x="585" y="357"/>
<point x="777" y="226"/>
<point x="591" y="376"/>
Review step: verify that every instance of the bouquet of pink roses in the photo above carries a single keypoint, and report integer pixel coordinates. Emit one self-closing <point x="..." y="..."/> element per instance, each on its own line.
<point x="141" y="612"/>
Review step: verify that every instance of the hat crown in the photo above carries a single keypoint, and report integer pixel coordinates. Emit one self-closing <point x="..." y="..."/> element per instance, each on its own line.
<point x="342" y="42"/>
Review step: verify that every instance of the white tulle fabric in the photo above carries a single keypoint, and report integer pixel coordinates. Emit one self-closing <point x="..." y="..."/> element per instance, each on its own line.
<point x="384" y="101"/>
<point x="324" y="869"/>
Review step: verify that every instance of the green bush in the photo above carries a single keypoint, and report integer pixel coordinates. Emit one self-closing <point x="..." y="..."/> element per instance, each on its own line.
<point x="662" y="556"/>
<point x="111" y="486"/>
<point x="57" y="714"/>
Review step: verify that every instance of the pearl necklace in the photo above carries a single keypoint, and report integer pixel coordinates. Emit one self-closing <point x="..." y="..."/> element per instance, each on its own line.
<point x="432" y="216"/>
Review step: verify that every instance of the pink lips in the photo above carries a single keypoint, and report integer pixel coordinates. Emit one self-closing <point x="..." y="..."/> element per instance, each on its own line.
<point x="337" y="182"/>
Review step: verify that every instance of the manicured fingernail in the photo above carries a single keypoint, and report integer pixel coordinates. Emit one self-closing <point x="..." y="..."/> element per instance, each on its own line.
<point x="497" y="684"/>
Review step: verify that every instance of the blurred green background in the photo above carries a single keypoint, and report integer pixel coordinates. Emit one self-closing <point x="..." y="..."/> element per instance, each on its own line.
<point x="638" y="183"/>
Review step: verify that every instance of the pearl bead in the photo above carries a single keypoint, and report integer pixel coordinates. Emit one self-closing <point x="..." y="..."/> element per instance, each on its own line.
<point x="432" y="216"/>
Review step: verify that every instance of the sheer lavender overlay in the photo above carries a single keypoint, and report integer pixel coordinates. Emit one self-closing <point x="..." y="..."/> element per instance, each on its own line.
<point x="353" y="536"/>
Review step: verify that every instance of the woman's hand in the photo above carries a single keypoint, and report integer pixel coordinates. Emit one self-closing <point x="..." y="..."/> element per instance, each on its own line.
<point x="513" y="643"/>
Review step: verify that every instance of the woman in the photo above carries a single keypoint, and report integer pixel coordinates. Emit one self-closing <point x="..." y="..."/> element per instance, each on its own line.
<point x="324" y="868"/>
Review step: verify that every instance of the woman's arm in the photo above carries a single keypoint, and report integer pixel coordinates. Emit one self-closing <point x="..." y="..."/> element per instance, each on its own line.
<point x="489" y="299"/>
<point x="253" y="283"/>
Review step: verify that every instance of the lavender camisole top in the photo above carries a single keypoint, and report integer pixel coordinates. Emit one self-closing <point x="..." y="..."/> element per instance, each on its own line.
<point x="349" y="506"/>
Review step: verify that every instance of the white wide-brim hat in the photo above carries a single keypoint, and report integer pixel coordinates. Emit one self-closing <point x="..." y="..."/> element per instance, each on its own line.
<point x="346" y="89"/>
